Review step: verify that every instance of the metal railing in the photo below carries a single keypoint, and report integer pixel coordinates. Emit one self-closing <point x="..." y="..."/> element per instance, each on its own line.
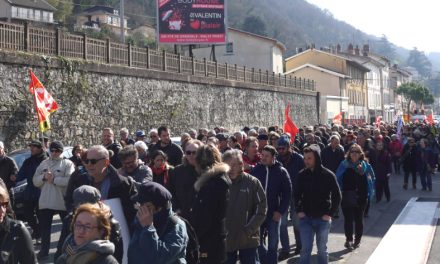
<point x="54" y="42"/>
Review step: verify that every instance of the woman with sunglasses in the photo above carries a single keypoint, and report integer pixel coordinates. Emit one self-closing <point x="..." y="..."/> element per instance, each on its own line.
<point x="16" y="242"/>
<point x="89" y="241"/>
<point x="355" y="177"/>
<point x="52" y="177"/>
<point x="161" y="169"/>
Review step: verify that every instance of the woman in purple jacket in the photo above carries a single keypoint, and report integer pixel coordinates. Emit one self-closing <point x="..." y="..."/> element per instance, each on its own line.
<point x="381" y="163"/>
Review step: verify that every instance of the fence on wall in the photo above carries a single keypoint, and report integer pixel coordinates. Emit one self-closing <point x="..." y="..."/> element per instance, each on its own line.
<point x="55" y="42"/>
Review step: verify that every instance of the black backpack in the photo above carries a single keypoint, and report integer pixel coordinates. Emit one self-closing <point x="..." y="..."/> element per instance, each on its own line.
<point x="193" y="247"/>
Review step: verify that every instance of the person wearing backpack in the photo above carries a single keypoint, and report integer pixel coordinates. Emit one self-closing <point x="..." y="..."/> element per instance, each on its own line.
<point x="159" y="235"/>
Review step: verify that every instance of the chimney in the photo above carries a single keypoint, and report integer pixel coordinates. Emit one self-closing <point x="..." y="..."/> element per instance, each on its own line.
<point x="357" y="51"/>
<point x="350" y="48"/>
<point x="300" y="50"/>
<point x="366" y="50"/>
<point x="313" y="45"/>
<point x="338" y="48"/>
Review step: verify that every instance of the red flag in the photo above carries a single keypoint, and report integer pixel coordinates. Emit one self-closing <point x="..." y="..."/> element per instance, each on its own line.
<point x="337" y="119"/>
<point x="289" y="126"/>
<point x="44" y="102"/>
<point x="430" y="119"/>
<point x="378" y="120"/>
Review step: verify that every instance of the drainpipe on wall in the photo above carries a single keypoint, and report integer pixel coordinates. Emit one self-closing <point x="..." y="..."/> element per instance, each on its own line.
<point x="318" y="106"/>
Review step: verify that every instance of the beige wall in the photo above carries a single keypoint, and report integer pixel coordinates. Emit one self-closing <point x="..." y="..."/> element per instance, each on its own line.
<point x="328" y="61"/>
<point x="249" y="51"/>
<point x="326" y="84"/>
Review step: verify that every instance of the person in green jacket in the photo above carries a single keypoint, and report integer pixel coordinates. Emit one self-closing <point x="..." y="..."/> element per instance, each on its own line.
<point x="245" y="213"/>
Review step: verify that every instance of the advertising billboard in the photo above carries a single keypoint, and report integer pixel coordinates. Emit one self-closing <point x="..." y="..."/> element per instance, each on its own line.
<point x="191" y="21"/>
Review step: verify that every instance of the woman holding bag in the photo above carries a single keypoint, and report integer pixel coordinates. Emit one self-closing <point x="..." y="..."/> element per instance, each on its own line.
<point x="355" y="177"/>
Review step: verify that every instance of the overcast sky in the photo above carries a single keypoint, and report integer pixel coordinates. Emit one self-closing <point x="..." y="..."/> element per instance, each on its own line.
<point x="406" y="23"/>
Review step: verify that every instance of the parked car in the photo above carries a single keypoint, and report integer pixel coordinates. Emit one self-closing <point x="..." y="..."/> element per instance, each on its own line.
<point x="17" y="192"/>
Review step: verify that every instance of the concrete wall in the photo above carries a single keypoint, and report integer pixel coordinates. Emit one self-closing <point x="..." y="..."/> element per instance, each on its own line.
<point x="94" y="96"/>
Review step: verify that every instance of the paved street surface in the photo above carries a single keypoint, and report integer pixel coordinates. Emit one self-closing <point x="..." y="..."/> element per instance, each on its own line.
<point x="381" y="217"/>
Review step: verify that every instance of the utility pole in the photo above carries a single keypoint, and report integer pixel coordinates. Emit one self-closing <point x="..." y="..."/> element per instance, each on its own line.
<point x="121" y="14"/>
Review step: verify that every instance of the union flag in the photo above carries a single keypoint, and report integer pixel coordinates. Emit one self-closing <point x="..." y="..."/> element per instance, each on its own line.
<point x="44" y="102"/>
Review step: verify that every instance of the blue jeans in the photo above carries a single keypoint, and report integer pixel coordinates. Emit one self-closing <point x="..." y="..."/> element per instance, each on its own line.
<point x="269" y="252"/>
<point x="246" y="256"/>
<point x="284" y="233"/>
<point x="308" y="227"/>
<point x="426" y="179"/>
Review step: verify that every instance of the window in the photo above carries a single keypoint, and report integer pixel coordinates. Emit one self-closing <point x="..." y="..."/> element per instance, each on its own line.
<point x="14" y="11"/>
<point x="22" y="12"/>
<point x="230" y="47"/>
<point x="37" y="15"/>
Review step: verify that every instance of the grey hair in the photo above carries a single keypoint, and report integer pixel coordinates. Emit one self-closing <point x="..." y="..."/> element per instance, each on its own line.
<point x="153" y="131"/>
<point x="262" y="131"/>
<point x="125" y="130"/>
<point x="2" y="145"/>
<point x="103" y="152"/>
<point x="141" y="145"/>
<point x="232" y="154"/>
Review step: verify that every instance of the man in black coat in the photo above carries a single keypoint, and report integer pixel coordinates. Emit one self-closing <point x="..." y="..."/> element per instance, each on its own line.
<point x="109" y="142"/>
<point x="317" y="197"/>
<point x="182" y="181"/>
<point x="333" y="154"/>
<point x="32" y="193"/>
<point x="8" y="168"/>
<point x="173" y="151"/>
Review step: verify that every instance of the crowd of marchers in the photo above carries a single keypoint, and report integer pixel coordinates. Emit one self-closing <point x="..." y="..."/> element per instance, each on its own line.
<point x="217" y="197"/>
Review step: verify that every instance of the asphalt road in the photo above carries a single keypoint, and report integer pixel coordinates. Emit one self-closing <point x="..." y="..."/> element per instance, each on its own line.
<point x="381" y="217"/>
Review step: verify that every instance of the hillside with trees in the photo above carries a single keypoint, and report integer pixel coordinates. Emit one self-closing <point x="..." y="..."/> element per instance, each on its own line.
<point x="296" y="23"/>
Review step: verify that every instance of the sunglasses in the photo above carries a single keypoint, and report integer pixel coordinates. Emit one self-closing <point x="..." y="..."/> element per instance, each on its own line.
<point x="355" y="151"/>
<point x="189" y="153"/>
<point x="4" y="205"/>
<point x="55" y="150"/>
<point x="92" y="161"/>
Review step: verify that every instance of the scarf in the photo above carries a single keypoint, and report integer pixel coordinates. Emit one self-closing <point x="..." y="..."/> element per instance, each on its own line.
<point x="161" y="170"/>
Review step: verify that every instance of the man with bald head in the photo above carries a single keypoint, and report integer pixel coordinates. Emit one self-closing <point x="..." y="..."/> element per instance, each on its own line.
<point x="108" y="181"/>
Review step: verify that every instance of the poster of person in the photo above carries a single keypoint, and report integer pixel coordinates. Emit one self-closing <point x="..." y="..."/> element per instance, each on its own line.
<point x="191" y="21"/>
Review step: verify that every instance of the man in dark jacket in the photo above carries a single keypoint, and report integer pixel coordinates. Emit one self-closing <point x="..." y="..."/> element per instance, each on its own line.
<point x="278" y="188"/>
<point x="173" y="151"/>
<point x="108" y="181"/>
<point x="333" y="154"/>
<point x="109" y="142"/>
<point x="293" y="163"/>
<point x="8" y="168"/>
<point x="317" y="197"/>
<point x="32" y="193"/>
<point x="182" y="180"/>
<point x="133" y="167"/>
<point x="246" y="211"/>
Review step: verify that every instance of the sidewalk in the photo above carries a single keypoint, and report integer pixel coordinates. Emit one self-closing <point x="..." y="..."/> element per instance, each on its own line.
<point x="381" y="217"/>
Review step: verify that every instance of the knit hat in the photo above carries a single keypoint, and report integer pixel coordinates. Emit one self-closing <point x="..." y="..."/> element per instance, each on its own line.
<point x="222" y="136"/>
<point x="153" y="192"/>
<point x="140" y="133"/>
<point x="283" y="141"/>
<point x="56" y="145"/>
<point x="85" y="194"/>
